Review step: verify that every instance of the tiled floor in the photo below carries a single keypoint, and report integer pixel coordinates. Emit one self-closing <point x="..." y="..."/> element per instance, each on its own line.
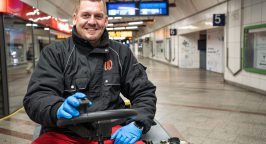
<point x="194" y="104"/>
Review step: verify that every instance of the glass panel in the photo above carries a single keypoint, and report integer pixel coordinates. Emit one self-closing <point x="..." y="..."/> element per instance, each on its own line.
<point x="41" y="39"/>
<point x="1" y="92"/>
<point x="260" y="50"/>
<point x="249" y="51"/>
<point x="56" y="36"/>
<point x="255" y="49"/>
<point x="18" y="40"/>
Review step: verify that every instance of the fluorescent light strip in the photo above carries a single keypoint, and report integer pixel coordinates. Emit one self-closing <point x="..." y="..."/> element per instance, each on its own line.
<point x="136" y="23"/>
<point x="132" y="27"/>
<point x="119" y="28"/>
<point x="29" y="24"/>
<point x="123" y="28"/>
<point x="188" y="27"/>
<point x="109" y="29"/>
<point x="208" y="23"/>
<point x="110" y="25"/>
<point x="117" y="17"/>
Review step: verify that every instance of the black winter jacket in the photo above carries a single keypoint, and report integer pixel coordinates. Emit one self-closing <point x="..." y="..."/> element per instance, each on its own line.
<point x="74" y="65"/>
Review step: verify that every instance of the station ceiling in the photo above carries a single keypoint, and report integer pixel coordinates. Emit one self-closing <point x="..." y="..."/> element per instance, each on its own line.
<point x="66" y="8"/>
<point x="178" y="9"/>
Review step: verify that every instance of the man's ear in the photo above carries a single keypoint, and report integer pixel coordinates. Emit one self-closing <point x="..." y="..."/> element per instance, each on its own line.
<point x="74" y="19"/>
<point x="106" y="21"/>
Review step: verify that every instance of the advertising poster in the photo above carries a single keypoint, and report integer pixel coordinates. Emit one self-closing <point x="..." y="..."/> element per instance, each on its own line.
<point x="215" y="45"/>
<point x="260" y="50"/>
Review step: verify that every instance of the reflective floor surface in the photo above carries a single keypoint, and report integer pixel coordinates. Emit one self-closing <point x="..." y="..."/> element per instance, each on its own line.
<point x="193" y="104"/>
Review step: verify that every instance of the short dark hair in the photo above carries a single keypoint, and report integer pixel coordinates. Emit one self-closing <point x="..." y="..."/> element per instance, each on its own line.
<point x="103" y="1"/>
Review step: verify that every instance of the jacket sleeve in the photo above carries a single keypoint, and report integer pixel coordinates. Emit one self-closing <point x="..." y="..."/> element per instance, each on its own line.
<point x="139" y="90"/>
<point x="45" y="87"/>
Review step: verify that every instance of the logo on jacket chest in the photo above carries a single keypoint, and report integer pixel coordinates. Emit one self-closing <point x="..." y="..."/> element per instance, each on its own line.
<point x="108" y="65"/>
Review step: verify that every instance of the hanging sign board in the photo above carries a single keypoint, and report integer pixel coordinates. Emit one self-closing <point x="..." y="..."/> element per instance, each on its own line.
<point x="218" y="20"/>
<point x="173" y="32"/>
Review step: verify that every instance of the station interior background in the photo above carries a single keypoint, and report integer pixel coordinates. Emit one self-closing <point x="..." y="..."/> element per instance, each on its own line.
<point x="185" y="39"/>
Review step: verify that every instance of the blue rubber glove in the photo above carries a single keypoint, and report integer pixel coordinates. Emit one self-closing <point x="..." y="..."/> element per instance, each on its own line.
<point x="68" y="108"/>
<point x="128" y="134"/>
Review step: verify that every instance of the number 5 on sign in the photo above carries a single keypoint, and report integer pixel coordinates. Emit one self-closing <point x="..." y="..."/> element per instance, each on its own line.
<point x="218" y="19"/>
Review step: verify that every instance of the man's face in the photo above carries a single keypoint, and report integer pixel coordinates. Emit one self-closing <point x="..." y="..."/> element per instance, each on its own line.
<point x="90" y="20"/>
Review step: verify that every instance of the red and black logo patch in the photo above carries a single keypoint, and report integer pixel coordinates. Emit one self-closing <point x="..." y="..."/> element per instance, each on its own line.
<point x="108" y="65"/>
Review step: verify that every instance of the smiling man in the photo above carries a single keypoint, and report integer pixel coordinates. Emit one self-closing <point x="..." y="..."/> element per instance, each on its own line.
<point x="90" y="20"/>
<point x="89" y="65"/>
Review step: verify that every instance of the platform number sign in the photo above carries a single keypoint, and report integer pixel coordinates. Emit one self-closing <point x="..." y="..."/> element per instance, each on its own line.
<point x="173" y="32"/>
<point x="218" y="19"/>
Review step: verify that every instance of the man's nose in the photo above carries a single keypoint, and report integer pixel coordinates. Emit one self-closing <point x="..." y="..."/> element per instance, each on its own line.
<point x="92" y="20"/>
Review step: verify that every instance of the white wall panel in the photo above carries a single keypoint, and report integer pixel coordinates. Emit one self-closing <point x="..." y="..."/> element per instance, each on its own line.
<point x="233" y="39"/>
<point x="152" y="53"/>
<point x="234" y="18"/>
<point x="256" y="13"/>
<point x="215" y="50"/>
<point x="159" y="45"/>
<point x="174" y="45"/>
<point x="263" y="18"/>
<point x="188" y="52"/>
<point x="237" y="51"/>
<point x="174" y="40"/>
<point x="247" y="15"/>
<point x="247" y="3"/>
<point x="234" y="5"/>
<point x="257" y="1"/>
<point x="234" y="56"/>
<point x="234" y="34"/>
<point x="146" y="45"/>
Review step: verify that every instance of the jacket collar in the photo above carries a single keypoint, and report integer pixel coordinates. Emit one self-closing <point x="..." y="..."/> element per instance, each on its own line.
<point x="85" y="47"/>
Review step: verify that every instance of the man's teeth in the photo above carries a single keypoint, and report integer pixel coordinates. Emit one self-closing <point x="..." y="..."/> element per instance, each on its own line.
<point x="90" y="29"/>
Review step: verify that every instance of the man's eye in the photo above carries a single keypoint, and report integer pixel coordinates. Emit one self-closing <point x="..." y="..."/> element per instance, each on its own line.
<point x="99" y="17"/>
<point x="85" y="16"/>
